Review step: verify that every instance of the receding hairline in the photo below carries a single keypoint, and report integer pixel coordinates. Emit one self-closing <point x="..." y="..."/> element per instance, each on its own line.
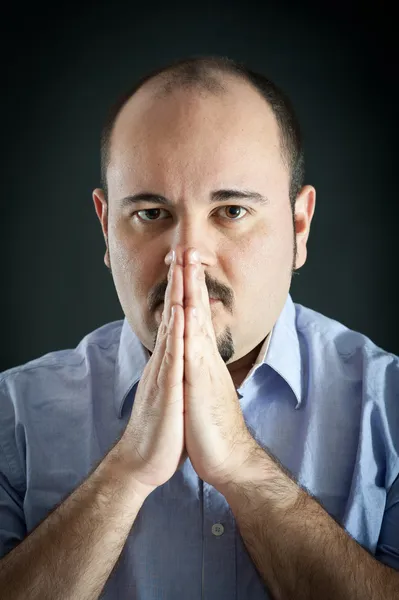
<point x="209" y="81"/>
<point x="213" y="82"/>
<point x="165" y="84"/>
<point x="205" y="73"/>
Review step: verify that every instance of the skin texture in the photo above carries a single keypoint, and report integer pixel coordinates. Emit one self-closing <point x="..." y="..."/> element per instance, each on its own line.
<point x="183" y="146"/>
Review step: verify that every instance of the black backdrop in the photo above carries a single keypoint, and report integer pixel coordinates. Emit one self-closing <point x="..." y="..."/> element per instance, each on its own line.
<point x="62" y="67"/>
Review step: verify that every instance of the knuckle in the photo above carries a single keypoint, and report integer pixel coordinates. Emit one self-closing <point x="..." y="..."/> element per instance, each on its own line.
<point x="168" y="358"/>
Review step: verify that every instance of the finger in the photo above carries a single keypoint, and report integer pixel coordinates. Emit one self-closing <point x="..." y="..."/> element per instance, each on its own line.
<point x="166" y="314"/>
<point x="160" y="342"/>
<point x="194" y="330"/>
<point x="171" y="348"/>
<point x="172" y="367"/>
<point x="158" y="354"/>
<point x="175" y="290"/>
<point x="192" y="344"/>
<point x="173" y="296"/>
<point x="196" y="294"/>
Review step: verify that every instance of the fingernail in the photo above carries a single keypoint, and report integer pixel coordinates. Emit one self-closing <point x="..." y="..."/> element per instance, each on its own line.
<point x="170" y="257"/>
<point x="195" y="257"/>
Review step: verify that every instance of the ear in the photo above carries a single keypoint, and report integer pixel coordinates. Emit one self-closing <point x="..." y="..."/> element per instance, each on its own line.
<point x="101" y="207"/>
<point x="304" y="209"/>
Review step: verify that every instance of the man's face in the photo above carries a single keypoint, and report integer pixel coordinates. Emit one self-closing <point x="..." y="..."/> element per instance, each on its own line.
<point x="185" y="147"/>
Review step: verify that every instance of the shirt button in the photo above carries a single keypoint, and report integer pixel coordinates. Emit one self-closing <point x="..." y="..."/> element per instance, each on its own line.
<point x="217" y="529"/>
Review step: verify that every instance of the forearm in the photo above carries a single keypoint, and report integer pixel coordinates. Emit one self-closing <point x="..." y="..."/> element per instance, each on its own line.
<point x="297" y="547"/>
<point x="73" y="551"/>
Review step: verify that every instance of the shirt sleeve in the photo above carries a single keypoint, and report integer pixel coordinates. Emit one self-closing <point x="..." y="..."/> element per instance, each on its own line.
<point x="12" y="521"/>
<point x="388" y="543"/>
<point x="12" y="485"/>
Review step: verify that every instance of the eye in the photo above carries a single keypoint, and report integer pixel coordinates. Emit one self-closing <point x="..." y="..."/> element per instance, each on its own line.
<point x="234" y="206"/>
<point x="148" y="210"/>
<point x="156" y="210"/>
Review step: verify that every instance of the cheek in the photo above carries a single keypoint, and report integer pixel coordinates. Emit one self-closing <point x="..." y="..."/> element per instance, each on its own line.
<point x="131" y="267"/>
<point x="264" y="262"/>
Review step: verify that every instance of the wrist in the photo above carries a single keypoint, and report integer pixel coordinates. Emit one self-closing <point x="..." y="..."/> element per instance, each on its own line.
<point x="261" y="479"/>
<point x="121" y="459"/>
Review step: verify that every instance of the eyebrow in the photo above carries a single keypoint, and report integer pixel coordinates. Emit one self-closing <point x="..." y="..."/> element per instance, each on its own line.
<point x="217" y="196"/>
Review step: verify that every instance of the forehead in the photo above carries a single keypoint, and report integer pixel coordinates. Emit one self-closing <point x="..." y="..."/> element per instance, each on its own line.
<point x="194" y="137"/>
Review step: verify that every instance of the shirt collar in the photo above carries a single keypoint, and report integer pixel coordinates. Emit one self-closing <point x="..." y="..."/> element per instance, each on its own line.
<point x="283" y="352"/>
<point x="280" y="351"/>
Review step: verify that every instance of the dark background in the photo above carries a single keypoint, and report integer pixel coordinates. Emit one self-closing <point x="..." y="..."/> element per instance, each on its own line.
<point x="63" y="66"/>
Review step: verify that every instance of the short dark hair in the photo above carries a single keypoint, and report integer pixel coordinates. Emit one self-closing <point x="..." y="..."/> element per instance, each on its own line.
<point x="202" y="72"/>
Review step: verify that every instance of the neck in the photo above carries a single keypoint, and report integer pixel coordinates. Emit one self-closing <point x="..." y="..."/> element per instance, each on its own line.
<point x="243" y="365"/>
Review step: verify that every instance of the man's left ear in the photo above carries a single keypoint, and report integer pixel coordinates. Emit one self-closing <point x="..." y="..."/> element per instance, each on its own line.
<point x="305" y="205"/>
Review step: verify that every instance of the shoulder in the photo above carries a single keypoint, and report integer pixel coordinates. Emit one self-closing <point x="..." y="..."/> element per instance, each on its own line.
<point x="53" y="366"/>
<point x="348" y="346"/>
<point x="356" y="370"/>
<point x="36" y="394"/>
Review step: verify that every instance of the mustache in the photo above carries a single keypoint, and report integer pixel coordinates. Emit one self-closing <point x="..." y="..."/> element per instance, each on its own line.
<point x="215" y="290"/>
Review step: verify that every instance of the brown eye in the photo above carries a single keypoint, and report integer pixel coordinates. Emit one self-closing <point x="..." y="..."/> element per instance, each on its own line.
<point x="153" y="217"/>
<point x="236" y="208"/>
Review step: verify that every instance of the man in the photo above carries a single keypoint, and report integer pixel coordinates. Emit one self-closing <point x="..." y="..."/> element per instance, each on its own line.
<point x="248" y="452"/>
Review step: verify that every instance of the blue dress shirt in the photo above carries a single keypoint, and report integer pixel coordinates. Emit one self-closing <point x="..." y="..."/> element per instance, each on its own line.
<point x="322" y="398"/>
